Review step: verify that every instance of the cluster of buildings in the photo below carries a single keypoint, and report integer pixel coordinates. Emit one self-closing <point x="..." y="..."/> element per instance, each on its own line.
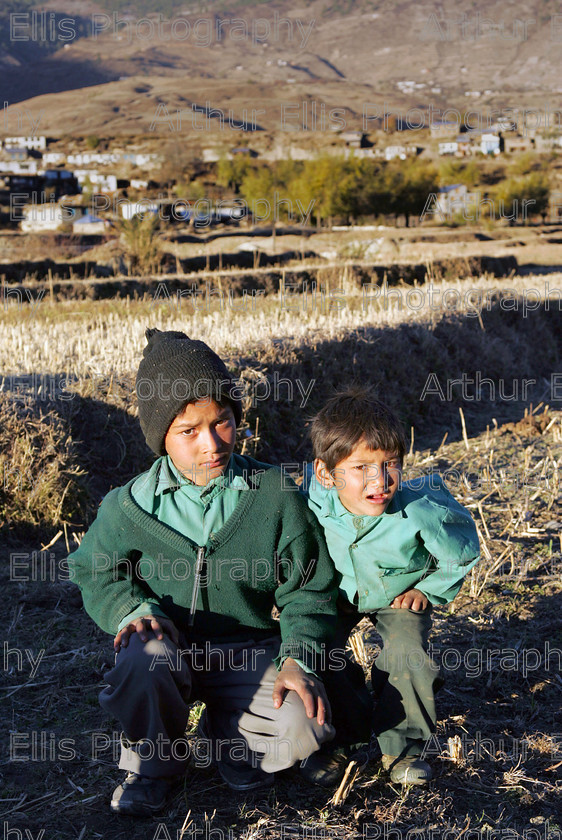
<point x="36" y="179"/>
<point x="501" y="137"/>
<point x="40" y="177"/>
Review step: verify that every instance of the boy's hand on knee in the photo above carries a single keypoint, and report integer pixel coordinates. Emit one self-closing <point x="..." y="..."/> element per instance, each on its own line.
<point x="413" y="599"/>
<point x="309" y="688"/>
<point x="159" y="626"/>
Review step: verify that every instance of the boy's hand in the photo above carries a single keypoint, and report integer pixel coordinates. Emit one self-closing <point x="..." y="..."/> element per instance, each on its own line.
<point x="158" y="625"/>
<point x="413" y="599"/>
<point x="309" y="688"/>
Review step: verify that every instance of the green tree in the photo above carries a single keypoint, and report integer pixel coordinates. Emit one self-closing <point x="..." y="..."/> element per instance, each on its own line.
<point x="518" y="198"/>
<point x="409" y="183"/>
<point x="459" y="172"/>
<point x="140" y="238"/>
<point x="230" y="173"/>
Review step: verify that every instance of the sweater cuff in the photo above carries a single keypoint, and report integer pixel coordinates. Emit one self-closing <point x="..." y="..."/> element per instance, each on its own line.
<point x="305" y="668"/>
<point x="145" y="608"/>
<point x="290" y="650"/>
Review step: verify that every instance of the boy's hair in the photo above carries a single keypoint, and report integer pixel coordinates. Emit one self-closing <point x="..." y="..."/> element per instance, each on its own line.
<point x="350" y="416"/>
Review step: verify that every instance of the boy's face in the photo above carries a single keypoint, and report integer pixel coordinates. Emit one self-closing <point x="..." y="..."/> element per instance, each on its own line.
<point x="366" y="480"/>
<point x="201" y="440"/>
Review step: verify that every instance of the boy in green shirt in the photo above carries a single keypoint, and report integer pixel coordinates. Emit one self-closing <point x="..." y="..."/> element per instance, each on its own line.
<point x="399" y="549"/>
<point x="184" y="566"/>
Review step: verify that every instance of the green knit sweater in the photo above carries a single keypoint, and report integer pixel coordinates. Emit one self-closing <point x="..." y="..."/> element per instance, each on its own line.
<point x="269" y="552"/>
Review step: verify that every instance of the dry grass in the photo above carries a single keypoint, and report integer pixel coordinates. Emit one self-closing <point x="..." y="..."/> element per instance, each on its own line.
<point x="496" y="753"/>
<point x="105" y="337"/>
<point x="79" y="360"/>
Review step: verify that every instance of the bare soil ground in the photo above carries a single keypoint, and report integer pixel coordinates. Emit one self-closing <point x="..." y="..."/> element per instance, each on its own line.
<point x="537" y="248"/>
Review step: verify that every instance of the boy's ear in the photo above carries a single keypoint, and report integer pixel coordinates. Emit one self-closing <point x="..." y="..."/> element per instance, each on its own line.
<point x="323" y="474"/>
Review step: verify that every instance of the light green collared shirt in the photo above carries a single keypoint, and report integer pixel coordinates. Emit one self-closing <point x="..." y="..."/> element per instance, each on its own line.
<point x="424" y="539"/>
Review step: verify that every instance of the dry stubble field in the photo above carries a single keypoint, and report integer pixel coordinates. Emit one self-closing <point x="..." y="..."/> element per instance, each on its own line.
<point x="68" y="433"/>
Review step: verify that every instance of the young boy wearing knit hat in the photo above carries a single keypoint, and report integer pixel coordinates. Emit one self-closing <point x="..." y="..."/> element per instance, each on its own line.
<point x="184" y="565"/>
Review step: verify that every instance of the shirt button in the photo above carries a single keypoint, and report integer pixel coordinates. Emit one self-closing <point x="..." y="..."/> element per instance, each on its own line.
<point x="366" y="592"/>
<point x="358" y="522"/>
<point x="353" y="545"/>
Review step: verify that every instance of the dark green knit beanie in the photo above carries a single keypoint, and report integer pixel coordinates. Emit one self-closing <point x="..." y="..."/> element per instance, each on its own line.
<point x="176" y="370"/>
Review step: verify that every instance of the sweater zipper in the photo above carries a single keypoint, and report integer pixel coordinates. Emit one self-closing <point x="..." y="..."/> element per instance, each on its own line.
<point x="196" y="584"/>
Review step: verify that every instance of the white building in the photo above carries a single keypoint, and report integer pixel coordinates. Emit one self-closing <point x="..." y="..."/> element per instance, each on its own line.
<point x="402" y="152"/>
<point x="141" y="159"/>
<point x="20" y="167"/>
<point x="490" y="144"/>
<point x="392" y="152"/>
<point x="53" y="158"/>
<point x="448" y="148"/>
<point x="32" y="142"/>
<point x="88" y="225"/>
<point x="451" y="199"/>
<point x="88" y="158"/>
<point x="104" y="183"/>
<point x="41" y="217"/>
<point x="145" y="207"/>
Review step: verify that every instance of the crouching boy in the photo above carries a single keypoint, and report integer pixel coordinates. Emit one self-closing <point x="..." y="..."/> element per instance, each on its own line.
<point x="399" y="548"/>
<point x="184" y="566"/>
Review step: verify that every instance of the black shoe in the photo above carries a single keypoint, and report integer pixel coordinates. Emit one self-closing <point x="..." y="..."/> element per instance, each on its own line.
<point x="141" y="796"/>
<point x="237" y="776"/>
<point x="244" y="776"/>
<point x="327" y="767"/>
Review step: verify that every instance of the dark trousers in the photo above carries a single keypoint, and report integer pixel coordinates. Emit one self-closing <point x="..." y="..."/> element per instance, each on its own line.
<point x="152" y="684"/>
<point x="404" y="680"/>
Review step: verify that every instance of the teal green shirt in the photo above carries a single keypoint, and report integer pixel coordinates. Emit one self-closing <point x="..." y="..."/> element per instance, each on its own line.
<point x="424" y="539"/>
<point x="189" y="508"/>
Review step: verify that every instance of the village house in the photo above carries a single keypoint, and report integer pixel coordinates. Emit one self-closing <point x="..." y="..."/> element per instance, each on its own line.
<point x="491" y="144"/>
<point x="364" y="153"/>
<point x="103" y="183"/>
<point x="32" y="142"/>
<point x="88" y="158"/>
<point x="142" y="208"/>
<point x="548" y="143"/>
<point x="42" y="217"/>
<point x="89" y="225"/>
<point x="20" y="167"/>
<point x="53" y="158"/>
<point x="355" y="139"/>
<point x="450" y="147"/>
<point x="290" y="152"/>
<point x="503" y="124"/>
<point x="143" y="160"/>
<point x="464" y="144"/>
<point x="401" y="152"/>
<point x="451" y="199"/>
<point x="517" y="143"/>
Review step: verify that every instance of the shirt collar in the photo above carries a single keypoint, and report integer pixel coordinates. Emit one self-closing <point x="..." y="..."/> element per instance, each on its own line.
<point x="170" y="479"/>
